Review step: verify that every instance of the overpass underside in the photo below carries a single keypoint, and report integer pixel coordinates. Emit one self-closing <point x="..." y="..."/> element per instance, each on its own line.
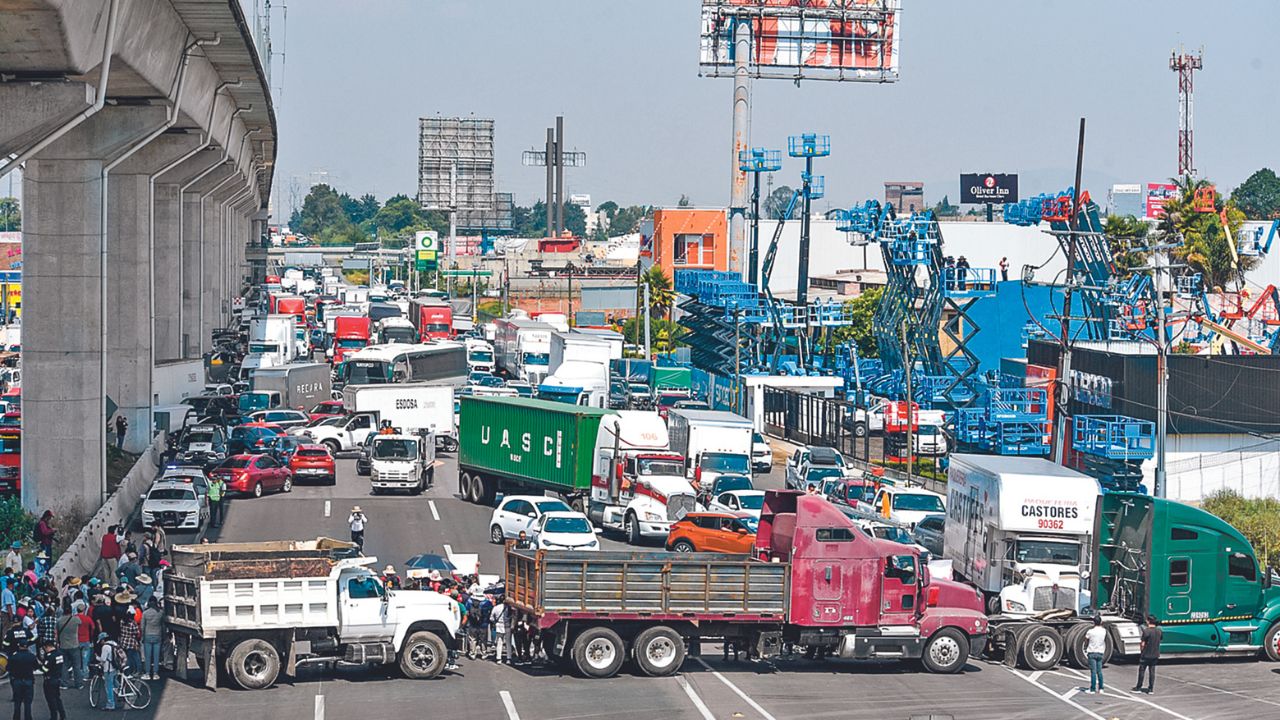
<point x="146" y="137"/>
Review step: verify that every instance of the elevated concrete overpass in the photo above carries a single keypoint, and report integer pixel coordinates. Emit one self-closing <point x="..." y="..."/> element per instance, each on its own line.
<point x="147" y="137"/>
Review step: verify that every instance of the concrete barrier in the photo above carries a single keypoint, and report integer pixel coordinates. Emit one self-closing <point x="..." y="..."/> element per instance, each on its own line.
<point x="81" y="555"/>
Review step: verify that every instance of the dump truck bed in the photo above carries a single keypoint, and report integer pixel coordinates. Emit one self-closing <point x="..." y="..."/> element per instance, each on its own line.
<point x="646" y="585"/>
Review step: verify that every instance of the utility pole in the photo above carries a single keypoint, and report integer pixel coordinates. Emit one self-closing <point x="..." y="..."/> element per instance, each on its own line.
<point x="906" y="366"/>
<point x="453" y="223"/>
<point x="1061" y="417"/>
<point x="737" y="361"/>
<point x="648" y="350"/>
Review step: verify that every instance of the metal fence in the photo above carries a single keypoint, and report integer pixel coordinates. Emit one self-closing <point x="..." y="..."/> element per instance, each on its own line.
<point x="809" y="420"/>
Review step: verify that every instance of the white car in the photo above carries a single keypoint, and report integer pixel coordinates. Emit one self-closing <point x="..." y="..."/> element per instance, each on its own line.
<point x="521" y="512"/>
<point x="562" y="530"/>
<point x="193" y="476"/>
<point x="175" y="505"/>
<point x="908" y="505"/>
<point x="761" y="454"/>
<point x="737" y="502"/>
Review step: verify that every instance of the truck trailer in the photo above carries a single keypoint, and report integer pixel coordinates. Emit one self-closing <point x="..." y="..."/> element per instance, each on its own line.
<point x="524" y="348"/>
<point x="1019" y="528"/>
<point x="256" y="609"/>
<point x="815" y="580"/>
<point x="298" y="386"/>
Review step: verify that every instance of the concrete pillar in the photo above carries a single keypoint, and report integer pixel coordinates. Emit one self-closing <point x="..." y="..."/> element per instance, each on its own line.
<point x="214" y="257"/>
<point x="63" y="457"/>
<point x="193" y="259"/>
<point x="30" y="111"/>
<point x="129" y="281"/>
<point x="172" y="261"/>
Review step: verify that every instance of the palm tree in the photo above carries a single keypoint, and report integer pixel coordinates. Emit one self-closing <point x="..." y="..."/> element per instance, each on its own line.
<point x="1206" y="247"/>
<point x="661" y="296"/>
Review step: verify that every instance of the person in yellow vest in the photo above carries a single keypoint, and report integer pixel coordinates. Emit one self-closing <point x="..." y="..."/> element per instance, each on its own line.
<point x="217" y="488"/>
<point x="884" y="504"/>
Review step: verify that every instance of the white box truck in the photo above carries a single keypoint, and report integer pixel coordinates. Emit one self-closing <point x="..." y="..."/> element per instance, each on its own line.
<point x="713" y="443"/>
<point x="612" y="337"/>
<point x="567" y="347"/>
<point x="402" y="462"/>
<point x="297" y="386"/>
<point x="271" y="343"/>
<point x="256" y="609"/>
<point x="1019" y="528"/>
<point x="524" y="348"/>
<point x="409" y="407"/>
<point x="639" y="485"/>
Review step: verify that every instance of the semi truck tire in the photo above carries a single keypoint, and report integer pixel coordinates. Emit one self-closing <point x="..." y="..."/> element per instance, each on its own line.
<point x="946" y="652"/>
<point x="1271" y="642"/>
<point x="598" y="652"/>
<point x="1041" y="648"/>
<point x="464" y="486"/>
<point x="659" y="651"/>
<point x="253" y="664"/>
<point x="486" y="490"/>
<point x="1073" y="646"/>
<point x="423" y="655"/>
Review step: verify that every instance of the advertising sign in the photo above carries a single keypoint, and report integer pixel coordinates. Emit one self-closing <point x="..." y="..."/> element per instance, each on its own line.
<point x="792" y="39"/>
<point x="426" y="240"/>
<point x="984" y="188"/>
<point x="1157" y="195"/>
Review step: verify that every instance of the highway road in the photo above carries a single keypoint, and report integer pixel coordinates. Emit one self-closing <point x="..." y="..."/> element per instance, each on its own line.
<point x="707" y="688"/>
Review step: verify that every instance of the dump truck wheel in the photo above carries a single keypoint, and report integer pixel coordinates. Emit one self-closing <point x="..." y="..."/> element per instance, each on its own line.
<point x="423" y="655"/>
<point x="659" y="651"/>
<point x="598" y="653"/>
<point x="254" y="664"/>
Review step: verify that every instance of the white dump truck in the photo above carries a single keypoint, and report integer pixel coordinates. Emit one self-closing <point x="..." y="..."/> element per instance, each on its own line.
<point x="256" y="609"/>
<point x="1019" y="528"/>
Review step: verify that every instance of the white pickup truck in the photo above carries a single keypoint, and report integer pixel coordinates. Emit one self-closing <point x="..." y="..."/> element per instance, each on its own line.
<point x="255" y="609"/>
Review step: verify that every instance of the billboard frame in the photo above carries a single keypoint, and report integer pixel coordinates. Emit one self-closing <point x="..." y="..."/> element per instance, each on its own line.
<point x="813" y="29"/>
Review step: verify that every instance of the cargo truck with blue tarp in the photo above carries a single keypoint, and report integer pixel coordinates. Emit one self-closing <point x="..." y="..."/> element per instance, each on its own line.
<point x="523" y="445"/>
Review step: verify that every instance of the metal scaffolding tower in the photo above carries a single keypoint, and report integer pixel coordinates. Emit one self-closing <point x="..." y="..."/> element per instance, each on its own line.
<point x="1185" y="65"/>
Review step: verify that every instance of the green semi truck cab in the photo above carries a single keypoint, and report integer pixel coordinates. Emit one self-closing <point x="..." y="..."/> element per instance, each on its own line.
<point x="1195" y="573"/>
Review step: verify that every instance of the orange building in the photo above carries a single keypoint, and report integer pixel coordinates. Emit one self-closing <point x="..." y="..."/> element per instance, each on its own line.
<point x="685" y="239"/>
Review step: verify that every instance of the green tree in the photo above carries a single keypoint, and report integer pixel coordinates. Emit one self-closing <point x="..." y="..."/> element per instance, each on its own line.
<point x="1259" y="196"/>
<point x="608" y="207"/>
<point x="321" y="210"/>
<point x="359" y="210"/>
<point x="627" y="220"/>
<point x="10" y="214"/>
<point x="1128" y="235"/>
<point x="1257" y="519"/>
<point x="598" y="234"/>
<point x="399" y="214"/>
<point x="664" y="334"/>
<point x="776" y="202"/>
<point x="863" y="311"/>
<point x="945" y="208"/>
<point x="575" y="220"/>
<point x="661" y="296"/>
<point x="1206" y="247"/>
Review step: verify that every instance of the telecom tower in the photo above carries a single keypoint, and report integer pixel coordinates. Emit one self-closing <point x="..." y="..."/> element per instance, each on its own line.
<point x="1185" y="65"/>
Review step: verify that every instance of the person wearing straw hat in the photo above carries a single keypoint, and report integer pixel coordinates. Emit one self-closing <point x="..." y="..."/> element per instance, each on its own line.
<point x="357" y="521"/>
<point x="145" y="587"/>
<point x="390" y="579"/>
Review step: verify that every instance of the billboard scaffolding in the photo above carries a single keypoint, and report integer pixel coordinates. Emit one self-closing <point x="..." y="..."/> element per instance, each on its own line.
<point x="849" y="40"/>
<point x="455" y="172"/>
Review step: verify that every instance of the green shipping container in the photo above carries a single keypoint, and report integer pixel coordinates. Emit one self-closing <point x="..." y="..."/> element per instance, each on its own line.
<point x="536" y="442"/>
<point x="670" y="377"/>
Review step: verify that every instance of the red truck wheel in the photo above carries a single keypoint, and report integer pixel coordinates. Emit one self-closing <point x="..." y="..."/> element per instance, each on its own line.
<point x="659" y="651"/>
<point x="946" y="652"/>
<point x="598" y="652"/>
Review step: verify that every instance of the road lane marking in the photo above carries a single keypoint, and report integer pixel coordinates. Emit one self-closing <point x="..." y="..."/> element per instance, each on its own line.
<point x="319" y="707"/>
<point x="1036" y="675"/>
<point x="435" y="514"/>
<point x="1066" y="697"/>
<point x="697" y="701"/>
<point x="746" y="698"/>
<point x="328" y="507"/>
<point x="1165" y="676"/>
<point x="448" y="550"/>
<point x="509" y="704"/>
<point x="1135" y="698"/>
<point x="1070" y="693"/>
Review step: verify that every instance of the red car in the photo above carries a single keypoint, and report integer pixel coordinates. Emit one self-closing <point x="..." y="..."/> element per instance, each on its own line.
<point x="313" y="461"/>
<point x="328" y="409"/>
<point x="254" y="475"/>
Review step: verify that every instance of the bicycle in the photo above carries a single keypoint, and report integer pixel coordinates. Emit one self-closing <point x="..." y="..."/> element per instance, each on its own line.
<point x="4" y="664"/>
<point x="130" y="691"/>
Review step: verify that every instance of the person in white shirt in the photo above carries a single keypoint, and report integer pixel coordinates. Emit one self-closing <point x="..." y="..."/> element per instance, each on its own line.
<point x="357" y="521"/>
<point x="13" y="560"/>
<point x="1095" y="648"/>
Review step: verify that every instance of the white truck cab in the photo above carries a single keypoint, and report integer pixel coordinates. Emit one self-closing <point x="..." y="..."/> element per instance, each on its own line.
<point x="639" y="485"/>
<point x="402" y="462"/>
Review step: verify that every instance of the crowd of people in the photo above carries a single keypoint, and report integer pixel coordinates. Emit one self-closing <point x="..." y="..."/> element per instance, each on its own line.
<point x="490" y="628"/>
<point x="109" y="620"/>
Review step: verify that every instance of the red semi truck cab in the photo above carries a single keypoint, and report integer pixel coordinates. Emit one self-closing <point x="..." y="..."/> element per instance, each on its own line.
<point x="816" y="580"/>
<point x="432" y="318"/>
<point x="350" y="333"/>
<point x="291" y="305"/>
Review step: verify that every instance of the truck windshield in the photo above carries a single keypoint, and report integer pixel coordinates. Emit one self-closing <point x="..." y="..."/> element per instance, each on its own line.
<point x="638" y="389"/>
<point x="537" y="358"/>
<point x="483" y="356"/>
<point x="263" y="348"/>
<point x="726" y="463"/>
<point x="400" y="335"/>
<point x="438" y="327"/>
<point x="199" y="437"/>
<point x="725" y="483"/>
<point x="892" y="533"/>
<point x="1052" y="552"/>
<point x="914" y="502"/>
<point x="394" y="450"/>
<point x="659" y="466"/>
<point x="351" y="343"/>
<point x="567" y="525"/>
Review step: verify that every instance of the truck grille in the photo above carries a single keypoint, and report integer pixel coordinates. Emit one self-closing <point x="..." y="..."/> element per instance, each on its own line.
<point x="170" y="517"/>
<point x="393" y="476"/>
<point x="679" y="505"/>
<point x="1046" y="599"/>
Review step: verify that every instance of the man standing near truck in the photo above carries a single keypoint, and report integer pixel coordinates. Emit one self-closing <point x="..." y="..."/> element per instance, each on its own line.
<point x="216" y="490"/>
<point x="1149" y="655"/>
<point x="1095" y="648"/>
<point x="356" y="520"/>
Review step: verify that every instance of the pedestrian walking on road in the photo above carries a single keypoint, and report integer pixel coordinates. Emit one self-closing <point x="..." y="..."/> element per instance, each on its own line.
<point x="1095" y="648"/>
<point x="22" y="680"/>
<point x="152" y="636"/>
<point x="53" y="664"/>
<point x="1149" y="655"/>
<point x="216" y="490"/>
<point x="122" y="426"/>
<point x="110" y="553"/>
<point x="357" y="521"/>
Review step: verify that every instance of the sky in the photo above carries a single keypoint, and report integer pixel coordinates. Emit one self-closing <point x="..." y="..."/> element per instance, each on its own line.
<point x="996" y="86"/>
